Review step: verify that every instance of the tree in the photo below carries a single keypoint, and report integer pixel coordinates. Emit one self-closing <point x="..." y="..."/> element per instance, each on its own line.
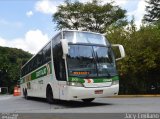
<point x="90" y="16"/>
<point x="11" y="60"/>
<point x="153" y="11"/>
<point x="139" y="70"/>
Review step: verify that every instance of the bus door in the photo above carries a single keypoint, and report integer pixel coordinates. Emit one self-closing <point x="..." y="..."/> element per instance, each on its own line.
<point x="62" y="80"/>
<point x="60" y="72"/>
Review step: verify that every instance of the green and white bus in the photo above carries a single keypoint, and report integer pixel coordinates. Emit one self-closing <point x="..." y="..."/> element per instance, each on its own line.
<point x="73" y="65"/>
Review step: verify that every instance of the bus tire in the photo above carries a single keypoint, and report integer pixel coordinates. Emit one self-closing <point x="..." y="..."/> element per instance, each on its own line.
<point x="49" y="95"/>
<point x="88" y="100"/>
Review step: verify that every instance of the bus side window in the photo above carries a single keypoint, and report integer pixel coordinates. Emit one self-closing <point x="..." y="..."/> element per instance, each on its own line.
<point x="47" y="53"/>
<point x="59" y="64"/>
<point x="40" y="58"/>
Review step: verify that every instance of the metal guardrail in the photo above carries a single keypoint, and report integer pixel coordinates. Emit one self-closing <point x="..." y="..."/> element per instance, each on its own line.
<point x="3" y="88"/>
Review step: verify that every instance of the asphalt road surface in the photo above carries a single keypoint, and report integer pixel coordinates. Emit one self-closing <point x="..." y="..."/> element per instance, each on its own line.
<point x="11" y="104"/>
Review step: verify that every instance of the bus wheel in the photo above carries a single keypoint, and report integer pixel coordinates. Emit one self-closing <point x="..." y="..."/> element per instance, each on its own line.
<point x="49" y="95"/>
<point x="88" y="100"/>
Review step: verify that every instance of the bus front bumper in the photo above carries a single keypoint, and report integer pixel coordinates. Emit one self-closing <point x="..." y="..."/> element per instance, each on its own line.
<point x="75" y="93"/>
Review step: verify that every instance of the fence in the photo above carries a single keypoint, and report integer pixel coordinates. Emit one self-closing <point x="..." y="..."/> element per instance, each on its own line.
<point x="3" y="90"/>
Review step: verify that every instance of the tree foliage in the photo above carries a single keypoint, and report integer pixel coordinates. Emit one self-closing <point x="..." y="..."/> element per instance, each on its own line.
<point x="11" y="60"/>
<point x="153" y="11"/>
<point x="139" y="70"/>
<point x="91" y="16"/>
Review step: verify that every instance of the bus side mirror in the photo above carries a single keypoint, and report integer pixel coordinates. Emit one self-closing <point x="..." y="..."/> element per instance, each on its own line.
<point x="64" y="46"/>
<point x="121" y="49"/>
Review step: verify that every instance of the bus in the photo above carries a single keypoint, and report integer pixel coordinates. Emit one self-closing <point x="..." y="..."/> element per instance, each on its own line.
<point x="73" y="65"/>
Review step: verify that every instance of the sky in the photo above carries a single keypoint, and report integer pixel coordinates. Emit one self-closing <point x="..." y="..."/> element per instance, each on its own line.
<point x="28" y="25"/>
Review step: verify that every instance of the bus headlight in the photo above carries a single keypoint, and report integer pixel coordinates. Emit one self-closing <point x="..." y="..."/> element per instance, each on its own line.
<point x="115" y="82"/>
<point x="77" y="84"/>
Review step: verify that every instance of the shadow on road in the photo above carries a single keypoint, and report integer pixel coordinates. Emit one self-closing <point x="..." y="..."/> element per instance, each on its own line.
<point x="71" y="104"/>
<point x="78" y="104"/>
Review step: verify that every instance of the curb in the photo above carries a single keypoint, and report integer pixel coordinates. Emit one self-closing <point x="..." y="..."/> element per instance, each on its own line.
<point x="133" y="96"/>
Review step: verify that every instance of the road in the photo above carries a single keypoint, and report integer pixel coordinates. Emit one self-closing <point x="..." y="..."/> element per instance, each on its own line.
<point x="100" y="105"/>
<point x="11" y="104"/>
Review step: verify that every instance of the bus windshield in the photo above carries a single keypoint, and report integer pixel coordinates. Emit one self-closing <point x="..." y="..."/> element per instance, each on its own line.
<point x="84" y="37"/>
<point x="90" y="61"/>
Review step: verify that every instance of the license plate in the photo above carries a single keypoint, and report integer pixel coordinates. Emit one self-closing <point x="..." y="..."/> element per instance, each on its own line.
<point x="98" y="92"/>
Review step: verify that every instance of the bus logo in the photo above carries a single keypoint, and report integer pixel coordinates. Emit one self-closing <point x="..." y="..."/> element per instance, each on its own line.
<point x="107" y="80"/>
<point x="41" y="72"/>
<point x="88" y="80"/>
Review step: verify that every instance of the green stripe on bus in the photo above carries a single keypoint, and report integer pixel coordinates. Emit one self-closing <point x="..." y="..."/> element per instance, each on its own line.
<point x="39" y="73"/>
<point x="76" y="79"/>
<point x="43" y="71"/>
<point x="115" y="78"/>
<point x="95" y="80"/>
